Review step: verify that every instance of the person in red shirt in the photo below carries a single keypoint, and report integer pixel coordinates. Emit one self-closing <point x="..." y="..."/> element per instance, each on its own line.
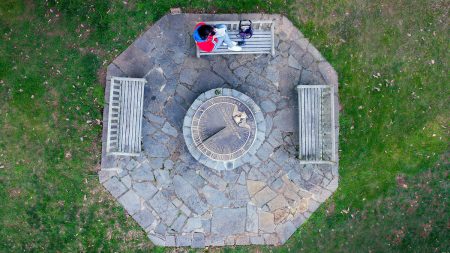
<point x="208" y="37"/>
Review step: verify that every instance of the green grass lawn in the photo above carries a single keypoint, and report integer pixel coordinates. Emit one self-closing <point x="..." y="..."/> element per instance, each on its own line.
<point x="392" y="61"/>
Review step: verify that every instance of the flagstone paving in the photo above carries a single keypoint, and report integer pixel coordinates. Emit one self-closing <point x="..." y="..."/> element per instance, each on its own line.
<point x="177" y="200"/>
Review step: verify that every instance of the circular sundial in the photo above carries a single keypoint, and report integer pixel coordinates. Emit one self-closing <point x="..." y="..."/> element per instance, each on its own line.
<point x="221" y="127"/>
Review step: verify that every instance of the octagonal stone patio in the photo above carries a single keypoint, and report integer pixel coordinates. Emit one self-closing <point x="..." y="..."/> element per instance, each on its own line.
<point x="177" y="200"/>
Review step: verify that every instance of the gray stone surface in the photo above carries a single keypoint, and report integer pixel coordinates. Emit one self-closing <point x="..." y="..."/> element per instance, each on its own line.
<point x="170" y="241"/>
<point x="165" y="209"/>
<point x="177" y="200"/>
<point x="265" y="151"/>
<point x="293" y="63"/>
<point x="215" y="197"/>
<point x="257" y="240"/>
<point x="189" y="195"/>
<point x="268" y="106"/>
<point x="198" y="240"/>
<point x="242" y="72"/>
<point x="154" y="118"/>
<point x="183" y="240"/>
<point x="126" y="180"/>
<point x="161" y="229"/>
<point x="178" y="224"/>
<point x="266" y="222"/>
<point x="285" y="231"/>
<point x="286" y="120"/>
<point x="170" y="130"/>
<point x="142" y="173"/>
<point x="252" y="219"/>
<point x="228" y="221"/>
<point x="188" y="76"/>
<point x="144" y="218"/>
<point x="131" y="202"/>
<point x="238" y="196"/>
<point x="193" y="224"/>
<point x="264" y="196"/>
<point x="147" y="128"/>
<point x="115" y="187"/>
<point x="154" y="151"/>
<point x="145" y="190"/>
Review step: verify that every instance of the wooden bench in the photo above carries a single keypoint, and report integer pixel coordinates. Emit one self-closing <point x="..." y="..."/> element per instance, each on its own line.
<point x="126" y="101"/>
<point x="262" y="41"/>
<point x="312" y="124"/>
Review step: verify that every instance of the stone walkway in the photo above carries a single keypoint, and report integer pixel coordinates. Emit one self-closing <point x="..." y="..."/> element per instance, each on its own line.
<point x="177" y="200"/>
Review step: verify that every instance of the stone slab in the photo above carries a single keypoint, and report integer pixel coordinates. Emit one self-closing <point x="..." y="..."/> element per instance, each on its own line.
<point x="228" y="221"/>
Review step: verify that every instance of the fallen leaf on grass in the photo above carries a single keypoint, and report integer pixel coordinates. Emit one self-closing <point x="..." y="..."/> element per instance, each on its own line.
<point x="401" y="182"/>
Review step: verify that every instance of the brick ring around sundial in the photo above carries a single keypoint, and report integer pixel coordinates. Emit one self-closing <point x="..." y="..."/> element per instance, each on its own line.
<point x="223" y="129"/>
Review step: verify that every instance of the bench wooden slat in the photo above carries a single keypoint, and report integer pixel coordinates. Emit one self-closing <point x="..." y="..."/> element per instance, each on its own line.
<point x="247" y="49"/>
<point x="237" y="22"/>
<point x="320" y="124"/>
<point x="244" y="49"/>
<point x="133" y="124"/>
<point x="140" y="105"/>
<point x="254" y="42"/>
<point x="129" y="104"/>
<point x="302" y="106"/>
<point x="316" y="134"/>
<point x="136" y="124"/>
<point x="132" y="116"/>
<point x="255" y="32"/>
<point x="135" y="119"/>
<point x="262" y="35"/>
<point x="316" y="123"/>
<point x="313" y="124"/>
<point x="124" y="112"/>
<point x="128" y="132"/>
<point x="266" y="40"/>
<point x="307" y="125"/>
<point x="250" y="43"/>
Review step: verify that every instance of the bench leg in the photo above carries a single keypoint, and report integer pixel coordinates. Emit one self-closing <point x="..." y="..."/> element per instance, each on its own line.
<point x="197" y="52"/>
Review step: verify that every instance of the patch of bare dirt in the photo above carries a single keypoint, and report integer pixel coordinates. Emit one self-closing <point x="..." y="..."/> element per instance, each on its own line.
<point x="426" y="229"/>
<point x="98" y="52"/>
<point x="68" y="155"/>
<point x="95" y="169"/>
<point x="101" y="76"/>
<point x="401" y="182"/>
<point x="54" y="33"/>
<point x="28" y="12"/>
<point x="53" y="100"/>
<point x="83" y="31"/>
<point x="14" y="192"/>
<point x="397" y="236"/>
<point x="331" y="208"/>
